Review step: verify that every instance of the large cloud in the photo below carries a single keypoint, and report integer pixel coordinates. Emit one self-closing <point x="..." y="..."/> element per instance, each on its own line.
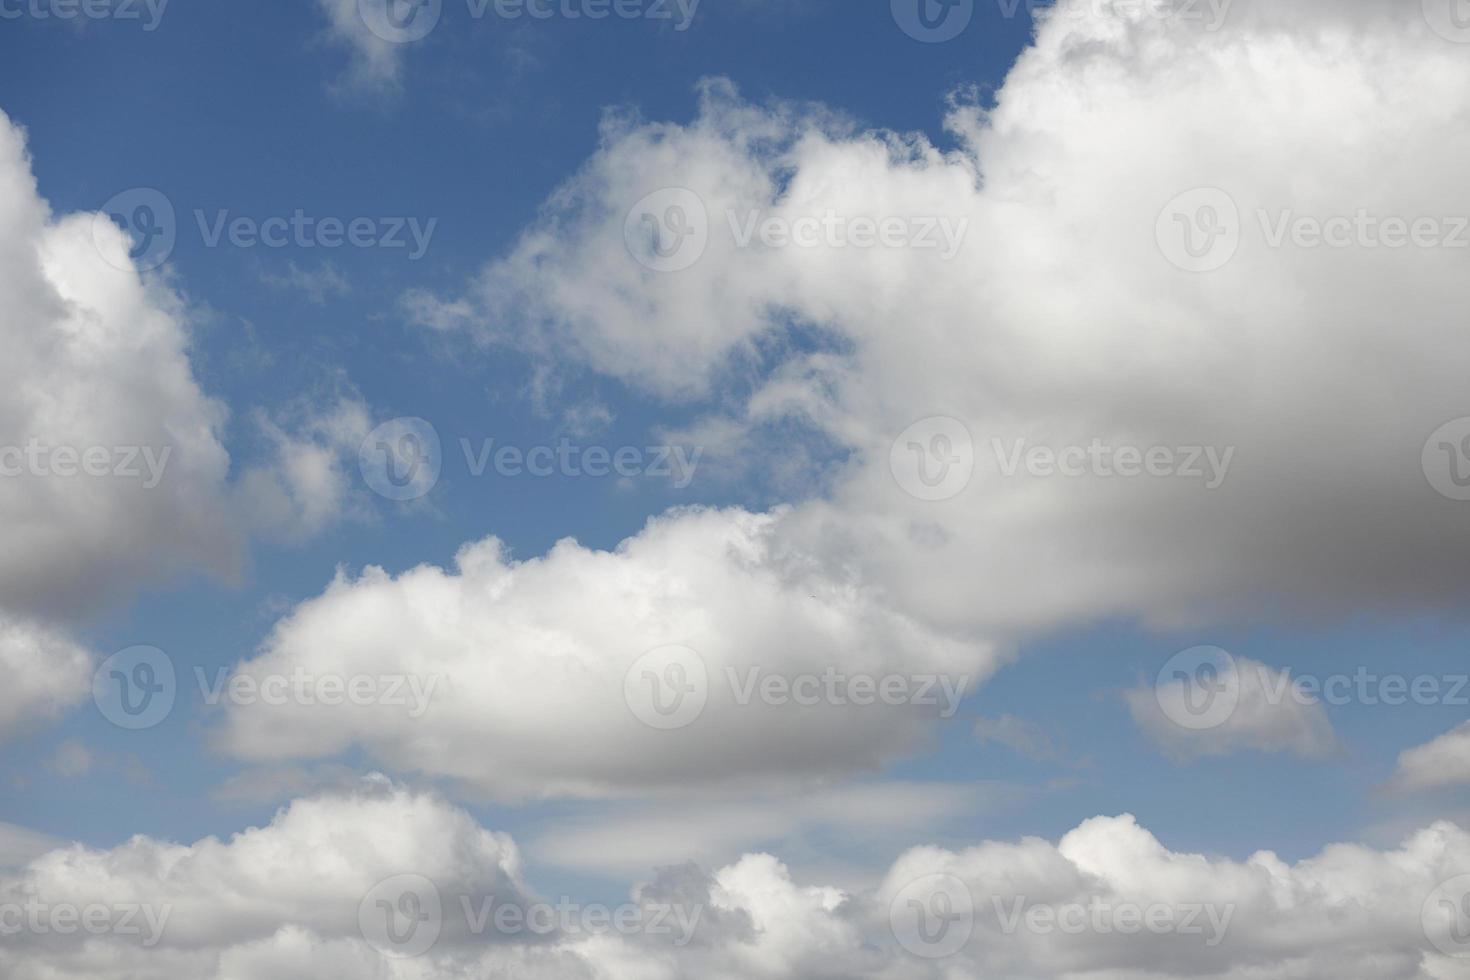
<point x="301" y="896"/>
<point x="1317" y="373"/>
<point x="531" y="666"/>
<point x="96" y="359"/>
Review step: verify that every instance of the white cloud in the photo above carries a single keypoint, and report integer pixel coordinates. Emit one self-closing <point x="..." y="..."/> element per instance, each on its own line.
<point x="283" y="901"/>
<point x="96" y="359"/>
<point x="45" y="672"/>
<point x="113" y="474"/>
<point x="307" y="484"/>
<point x="527" y="664"/>
<point x="375" y="62"/>
<point x="1263" y="711"/>
<point x="1060" y="320"/>
<point x="1443" y="762"/>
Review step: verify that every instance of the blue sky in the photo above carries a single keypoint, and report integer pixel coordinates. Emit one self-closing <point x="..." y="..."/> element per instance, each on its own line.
<point x="1327" y="564"/>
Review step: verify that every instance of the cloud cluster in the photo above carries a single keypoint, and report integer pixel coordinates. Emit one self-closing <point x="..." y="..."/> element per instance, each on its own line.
<point x="1060" y="325"/>
<point x="313" y="892"/>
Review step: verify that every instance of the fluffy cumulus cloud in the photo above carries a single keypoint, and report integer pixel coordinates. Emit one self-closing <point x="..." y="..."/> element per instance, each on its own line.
<point x="113" y="471"/>
<point x="382" y="882"/>
<point x="45" y="673"/>
<point x="544" y="677"/>
<point x="1441" y="763"/>
<point x="113" y="463"/>
<point x="1219" y="446"/>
